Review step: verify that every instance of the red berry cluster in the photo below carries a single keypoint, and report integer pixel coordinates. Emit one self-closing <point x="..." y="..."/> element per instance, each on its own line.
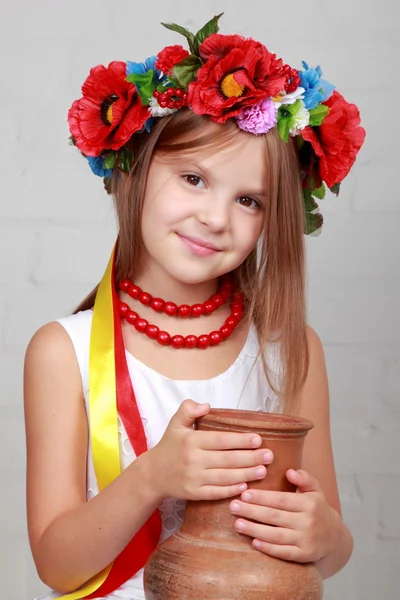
<point x="172" y="98"/>
<point x="292" y="75"/>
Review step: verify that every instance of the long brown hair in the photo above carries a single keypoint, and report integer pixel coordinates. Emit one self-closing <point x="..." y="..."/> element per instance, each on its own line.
<point x="272" y="277"/>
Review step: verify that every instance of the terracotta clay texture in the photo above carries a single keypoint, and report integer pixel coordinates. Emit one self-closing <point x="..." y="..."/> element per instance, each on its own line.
<point x="207" y="559"/>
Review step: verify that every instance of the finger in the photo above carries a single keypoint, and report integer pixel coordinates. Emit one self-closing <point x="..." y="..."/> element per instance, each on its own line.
<point x="233" y="476"/>
<point x="220" y="492"/>
<point x="188" y="412"/>
<point x="267" y="533"/>
<point x="288" y="501"/>
<point x="284" y="552"/>
<point x="265" y="514"/>
<point x="304" y="481"/>
<point x="234" y="459"/>
<point x="224" y="440"/>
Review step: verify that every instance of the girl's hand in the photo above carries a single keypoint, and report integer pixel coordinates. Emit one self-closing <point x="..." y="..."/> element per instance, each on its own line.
<point x="300" y="526"/>
<point x="204" y="465"/>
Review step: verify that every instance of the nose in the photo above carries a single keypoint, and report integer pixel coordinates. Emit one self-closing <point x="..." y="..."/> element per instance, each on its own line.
<point x="214" y="213"/>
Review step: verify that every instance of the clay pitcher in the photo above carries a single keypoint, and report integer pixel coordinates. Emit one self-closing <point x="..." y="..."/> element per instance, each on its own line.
<point x="207" y="559"/>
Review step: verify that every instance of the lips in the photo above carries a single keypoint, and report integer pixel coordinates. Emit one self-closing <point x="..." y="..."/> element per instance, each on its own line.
<point x="200" y="243"/>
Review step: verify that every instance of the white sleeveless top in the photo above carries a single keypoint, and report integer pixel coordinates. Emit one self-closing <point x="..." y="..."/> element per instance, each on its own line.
<point x="243" y="385"/>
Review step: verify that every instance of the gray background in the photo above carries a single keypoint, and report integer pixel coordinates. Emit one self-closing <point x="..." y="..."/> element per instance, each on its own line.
<point x="57" y="229"/>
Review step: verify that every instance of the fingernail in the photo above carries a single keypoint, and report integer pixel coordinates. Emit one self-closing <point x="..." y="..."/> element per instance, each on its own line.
<point x="243" y="487"/>
<point x="235" y="507"/>
<point x="240" y="525"/>
<point x="257" y="544"/>
<point x="268" y="456"/>
<point x="261" y="471"/>
<point x="256" y="441"/>
<point x="246" y="497"/>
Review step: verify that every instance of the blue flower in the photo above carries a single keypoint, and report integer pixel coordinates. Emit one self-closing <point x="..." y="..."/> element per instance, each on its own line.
<point x="316" y="89"/>
<point x="97" y="166"/>
<point x="144" y="67"/>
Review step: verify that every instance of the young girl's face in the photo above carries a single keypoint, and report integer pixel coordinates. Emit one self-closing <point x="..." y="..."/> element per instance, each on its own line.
<point x="203" y="212"/>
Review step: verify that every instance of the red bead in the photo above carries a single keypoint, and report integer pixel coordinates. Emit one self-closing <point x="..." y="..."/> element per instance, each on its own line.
<point x="170" y="92"/>
<point x="170" y="308"/>
<point x="163" y="97"/>
<point x="157" y="304"/>
<point x="141" y="324"/>
<point x="225" y="293"/>
<point x="232" y="321"/>
<point x="178" y="103"/>
<point x="226" y="331"/>
<point x="177" y="341"/>
<point x="197" y="310"/>
<point x="179" y="92"/>
<point x="238" y="313"/>
<point x="124" y="285"/>
<point x="134" y="291"/>
<point x="236" y="305"/>
<point x="123" y="309"/>
<point x="163" y="103"/>
<point x="145" y="298"/>
<point x="204" y="341"/>
<point x="131" y="317"/>
<point x="156" y="94"/>
<point x="152" y="331"/>
<point x="217" y="299"/>
<point x="163" y="338"/>
<point x="191" y="341"/>
<point x="209" y="306"/>
<point x="184" y="310"/>
<point x="170" y="104"/>
<point x="237" y="297"/>
<point x="215" y="338"/>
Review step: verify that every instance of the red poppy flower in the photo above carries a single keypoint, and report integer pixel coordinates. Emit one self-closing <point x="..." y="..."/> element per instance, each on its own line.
<point x="238" y="72"/>
<point x="169" y="57"/>
<point x="109" y="112"/>
<point x="337" y="141"/>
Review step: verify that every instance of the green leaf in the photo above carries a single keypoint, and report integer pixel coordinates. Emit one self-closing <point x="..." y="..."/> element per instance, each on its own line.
<point x="124" y="159"/>
<point x="319" y="192"/>
<point x="284" y="123"/>
<point x="145" y="84"/>
<point x="310" y="206"/>
<point x="109" y="161"/>
<point x="313" y="224"/>
<point x="183" y="31"/>
<point x="317" y="115"/>
<point x="208" y="29"/>
<point x="186" y="71"/>
<point x="335" y="189"/>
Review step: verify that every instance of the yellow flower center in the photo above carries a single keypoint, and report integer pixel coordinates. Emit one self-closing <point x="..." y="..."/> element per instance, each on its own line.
<point x="109" y="114"/>
<point x="230" y="87"/>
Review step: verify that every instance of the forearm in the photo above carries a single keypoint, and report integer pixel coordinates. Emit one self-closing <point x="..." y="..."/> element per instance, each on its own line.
<point x="82" y="542"/>
<point x="341" y="551"/>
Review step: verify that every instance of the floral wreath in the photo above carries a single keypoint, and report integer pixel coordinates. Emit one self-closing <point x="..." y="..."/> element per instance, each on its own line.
<point x="224" y="77"/>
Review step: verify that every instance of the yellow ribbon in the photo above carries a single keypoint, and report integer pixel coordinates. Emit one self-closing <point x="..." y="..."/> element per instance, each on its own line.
<point x="102" y="404"/>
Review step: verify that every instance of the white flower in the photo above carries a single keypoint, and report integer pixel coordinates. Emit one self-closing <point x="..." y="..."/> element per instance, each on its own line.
<point x="156" y="110"/>
<point x="290" y="98"/>
<point x="301" y="120"/>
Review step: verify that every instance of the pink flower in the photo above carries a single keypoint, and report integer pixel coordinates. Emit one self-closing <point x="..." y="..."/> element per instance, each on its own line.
<point x="259" y="118"/>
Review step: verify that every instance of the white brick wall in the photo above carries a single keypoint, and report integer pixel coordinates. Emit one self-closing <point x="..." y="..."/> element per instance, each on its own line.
<point x="57" y="229"/>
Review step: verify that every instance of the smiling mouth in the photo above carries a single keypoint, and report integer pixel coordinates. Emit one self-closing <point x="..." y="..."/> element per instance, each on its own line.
<point x="199" y="247"/>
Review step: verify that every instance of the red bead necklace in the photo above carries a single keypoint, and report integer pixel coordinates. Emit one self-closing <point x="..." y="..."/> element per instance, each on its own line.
<point x="179" y="341"/>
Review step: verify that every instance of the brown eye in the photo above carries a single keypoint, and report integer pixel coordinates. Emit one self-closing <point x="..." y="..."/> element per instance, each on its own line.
<point x="194" y="180"/>
<point x="248" y="202"/>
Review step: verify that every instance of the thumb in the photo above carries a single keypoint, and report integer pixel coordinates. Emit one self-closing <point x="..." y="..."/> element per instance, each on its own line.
<point x="188" y="412"/>
<point x="304" y="481"/>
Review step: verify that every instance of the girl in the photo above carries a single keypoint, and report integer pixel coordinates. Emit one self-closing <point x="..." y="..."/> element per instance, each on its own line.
<point x="214" y="158"/>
